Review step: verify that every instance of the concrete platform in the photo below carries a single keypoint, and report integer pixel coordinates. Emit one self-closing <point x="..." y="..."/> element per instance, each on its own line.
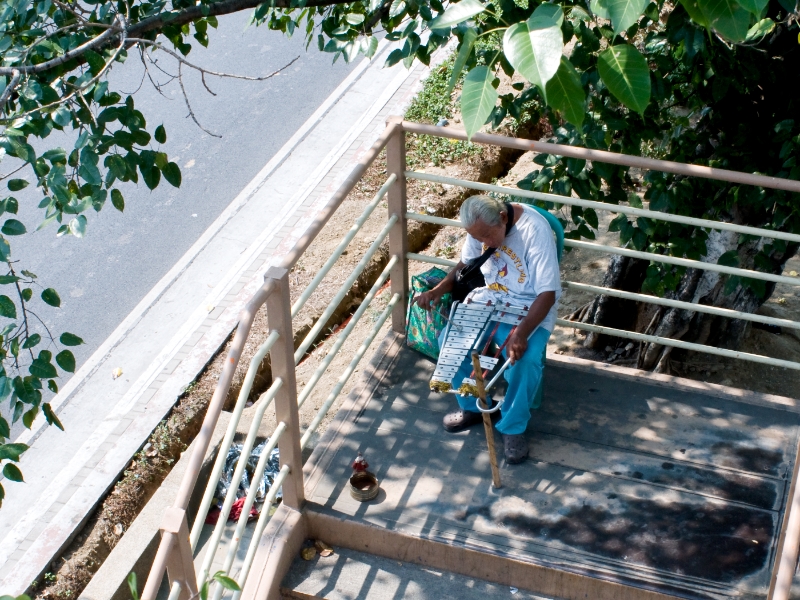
<point x="637" y="486"/>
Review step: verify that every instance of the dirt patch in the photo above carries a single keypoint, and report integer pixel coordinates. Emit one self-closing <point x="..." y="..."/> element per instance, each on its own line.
<point x="71" y="572"/>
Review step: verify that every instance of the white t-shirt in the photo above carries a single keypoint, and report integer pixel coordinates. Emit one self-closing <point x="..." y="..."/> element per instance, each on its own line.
<point x="524" y="267"/>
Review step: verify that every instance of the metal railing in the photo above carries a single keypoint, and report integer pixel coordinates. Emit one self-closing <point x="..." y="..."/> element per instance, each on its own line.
<point x="175" y="552"/>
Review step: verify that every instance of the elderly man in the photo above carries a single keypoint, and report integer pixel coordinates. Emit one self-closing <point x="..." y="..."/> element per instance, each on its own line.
<point x="523" y="271"/>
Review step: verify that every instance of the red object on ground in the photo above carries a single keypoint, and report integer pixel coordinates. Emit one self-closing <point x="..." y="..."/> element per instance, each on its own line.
<point x="360" y="463"/>
<point x="236" y="511"/>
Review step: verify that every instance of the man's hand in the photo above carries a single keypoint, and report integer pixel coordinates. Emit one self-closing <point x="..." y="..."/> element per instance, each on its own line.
<point x="517" y="345"/>
<point x="428" y="300"/>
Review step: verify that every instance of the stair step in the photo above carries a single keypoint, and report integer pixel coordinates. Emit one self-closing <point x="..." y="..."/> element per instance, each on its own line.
<point x="352" y="575"/>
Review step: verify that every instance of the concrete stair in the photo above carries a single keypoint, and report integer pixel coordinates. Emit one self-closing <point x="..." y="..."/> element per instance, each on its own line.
<point x="352" y="575"/>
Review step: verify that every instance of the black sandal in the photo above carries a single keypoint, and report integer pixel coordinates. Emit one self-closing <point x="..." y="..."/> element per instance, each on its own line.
<point x="515" y="448"/>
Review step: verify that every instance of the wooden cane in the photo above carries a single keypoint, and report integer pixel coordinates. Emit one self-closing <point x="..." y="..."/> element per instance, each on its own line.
<point x="487" y="419"/>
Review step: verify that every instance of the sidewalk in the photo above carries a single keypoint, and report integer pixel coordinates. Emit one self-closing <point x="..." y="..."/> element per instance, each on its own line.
<point x="172" y="334"/>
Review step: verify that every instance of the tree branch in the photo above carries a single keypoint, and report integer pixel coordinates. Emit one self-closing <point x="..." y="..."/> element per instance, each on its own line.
<point x="49" y="64"/>
<point x="189" y="106"/>
<point x="182" y="60"/>
<point x="187" y="15"/>
<point x="15" y="75"/>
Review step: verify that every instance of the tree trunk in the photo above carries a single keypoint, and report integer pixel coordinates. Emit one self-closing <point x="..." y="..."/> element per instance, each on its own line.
<point x="696" y="286"/>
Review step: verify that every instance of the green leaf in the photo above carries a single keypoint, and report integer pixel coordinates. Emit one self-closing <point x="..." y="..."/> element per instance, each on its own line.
<point x="151" y="176"/>
<point x="5" y="430"/>
<point x="12" y="451"/>
<point x="77" y="226"/>
<point x="27" y="294"/>
<point x="478" y="98"/>
<point x="62" y="116"/>
<point x="760" y="29"/>
<point x="727" y="18"/>
<point x="117" y="200"/>
<point x="42" y="368"/>
<point x="66" y="360"/>
<point x="225" y="581"/>
<point x="96" y="62"/>
<point x="70" y="339"/>
<point x="7" y="308"/>
<point x="754" y="6"/>
<point x="32" y="340"/>
<point x="624" y="13"/>
<point x="457" y="13"/>
<point x="52" y="385"/>
<point x="172" y="173"/>
<point x="534" y="48"/>
<point x="13" y="227"/>
<point x="626" y="75"/>
<point x="467" y="41"/>
<point x="161" y="134"/>
<point x="354" y="18"/>
<point x="16" y="185"/>
<point x="565" y="93"/>
<point x="133" y="586"/>
<point x="28" y="417"/>
<point x="51" y="297"/>
<point x="600" y="9"/>
<point x="50" y="416"/>
<point x="729" y="259"/>
<point x="12" y="473"/>
<point x="397" y="8"/>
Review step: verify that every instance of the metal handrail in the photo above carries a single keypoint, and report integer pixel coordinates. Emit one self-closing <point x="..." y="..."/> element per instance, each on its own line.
<point x="663" y="258"/>
<point x="342" y="337"/>
<point x="663" y="341"/>
<point x="236" y="478"/>
<point x="344" y="290"/>
<point x="614" y="208"/>
<point x="702" y="308"/>
<point x="244" y="516"/>
<point x="222" y="453"/>
<point x="263" y="518"/>
<point x="326" y="406"/>
<point x="612" y="158"/>
<point x="337" y="253"/>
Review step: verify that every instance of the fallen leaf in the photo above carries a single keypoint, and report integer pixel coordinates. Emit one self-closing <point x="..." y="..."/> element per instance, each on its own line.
<point x="781" y="300"/>
<point x="210" y="307"/>
<point x="324" y="549"/>
<point x="793" y="273"/>
<point x="116" y="373"/>
<point x="308" y="553"/>
<point x="119" y="529"/>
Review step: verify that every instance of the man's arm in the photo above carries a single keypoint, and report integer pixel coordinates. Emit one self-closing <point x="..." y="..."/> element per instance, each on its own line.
<point x="518" y="341"/>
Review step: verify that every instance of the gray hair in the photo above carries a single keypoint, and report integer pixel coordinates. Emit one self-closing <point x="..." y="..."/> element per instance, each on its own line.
<point x="482" y="208"/>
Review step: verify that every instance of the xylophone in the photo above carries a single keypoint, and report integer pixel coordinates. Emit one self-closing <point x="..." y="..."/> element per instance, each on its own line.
<point x="472" y="325"/>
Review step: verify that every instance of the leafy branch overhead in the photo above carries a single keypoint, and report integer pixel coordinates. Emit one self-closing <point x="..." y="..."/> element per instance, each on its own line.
<point x="697" y="80"/>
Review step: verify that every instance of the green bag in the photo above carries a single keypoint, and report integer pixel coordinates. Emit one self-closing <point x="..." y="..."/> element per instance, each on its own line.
<point x="423" y="327"/>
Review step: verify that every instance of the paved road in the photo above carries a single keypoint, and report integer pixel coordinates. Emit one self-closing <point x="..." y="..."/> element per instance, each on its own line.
<point x="103" y="276"/>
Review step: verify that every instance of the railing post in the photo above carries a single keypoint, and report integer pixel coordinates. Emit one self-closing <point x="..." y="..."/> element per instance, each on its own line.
<point x="279" y="316"/>
<point x="180" y="564"/>
<point x="398" y="236"/>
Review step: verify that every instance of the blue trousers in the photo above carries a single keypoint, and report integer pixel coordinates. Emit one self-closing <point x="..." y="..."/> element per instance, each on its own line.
<point x="523" y="380"/>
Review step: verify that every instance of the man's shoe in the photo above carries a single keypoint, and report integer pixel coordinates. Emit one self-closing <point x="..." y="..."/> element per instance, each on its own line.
<point x="515" y="448"/>
<point x="460" y="420"/>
